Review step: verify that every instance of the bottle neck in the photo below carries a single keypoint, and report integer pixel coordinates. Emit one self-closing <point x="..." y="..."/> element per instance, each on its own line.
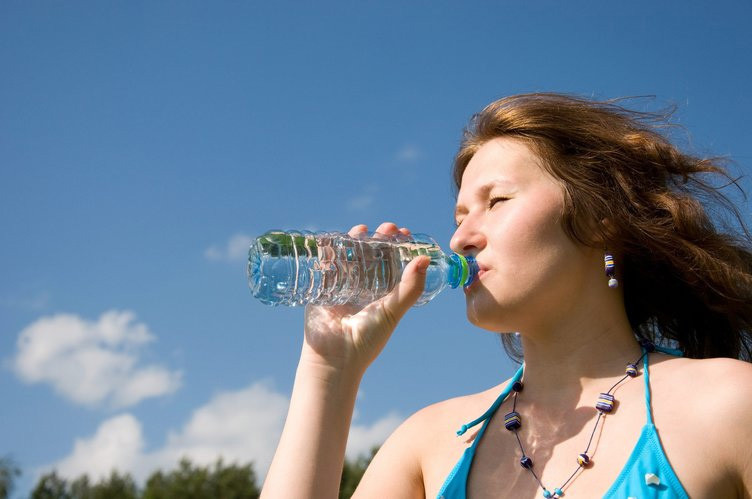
<point x="463" y="270"/>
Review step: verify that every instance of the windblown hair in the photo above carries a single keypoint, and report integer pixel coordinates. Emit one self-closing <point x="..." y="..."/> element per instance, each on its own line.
<point x="685" y="253"/>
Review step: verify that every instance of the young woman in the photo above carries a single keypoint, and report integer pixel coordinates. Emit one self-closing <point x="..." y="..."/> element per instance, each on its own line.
<point x="553" y="190"/>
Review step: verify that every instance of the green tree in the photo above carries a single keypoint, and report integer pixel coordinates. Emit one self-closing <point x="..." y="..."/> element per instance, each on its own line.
<point x="8" y="473"/>
<point x="352" y="472"/>
<point x="196" y="482"/>
<point x="116" y="486"/>
<point x="51" y="486"/>
<point x="186" y="482"/>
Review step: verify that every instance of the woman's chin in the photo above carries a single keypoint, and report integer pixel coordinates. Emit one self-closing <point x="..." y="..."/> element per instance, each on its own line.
<point x="484" y="311"/>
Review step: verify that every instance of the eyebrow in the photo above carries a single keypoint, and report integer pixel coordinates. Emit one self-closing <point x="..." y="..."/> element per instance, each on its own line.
<point x="482" y="191"/>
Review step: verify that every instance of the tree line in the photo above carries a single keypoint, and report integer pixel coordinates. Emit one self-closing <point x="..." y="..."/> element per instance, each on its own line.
<point x="186" y="481"/>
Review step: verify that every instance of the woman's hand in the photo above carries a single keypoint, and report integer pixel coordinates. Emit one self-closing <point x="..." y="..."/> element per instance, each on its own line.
<point x="340" y="343"/>
<point x="351" y="337"/>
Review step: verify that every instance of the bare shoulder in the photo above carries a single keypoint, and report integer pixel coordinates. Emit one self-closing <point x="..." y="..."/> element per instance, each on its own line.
<point x="728" y="384"/>
<point x="420" y="453"/>
<point x="727" y="380"/>
<point x="445" y="418"/>
<point x="704" y="406"/>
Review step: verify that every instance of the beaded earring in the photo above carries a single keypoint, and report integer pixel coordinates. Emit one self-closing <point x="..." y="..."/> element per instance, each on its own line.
<point x="610" y="272"/>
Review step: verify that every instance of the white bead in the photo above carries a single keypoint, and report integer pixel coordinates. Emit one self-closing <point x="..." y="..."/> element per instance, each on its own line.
<point x="612" y="283"/>
<point x="652" y="479"/>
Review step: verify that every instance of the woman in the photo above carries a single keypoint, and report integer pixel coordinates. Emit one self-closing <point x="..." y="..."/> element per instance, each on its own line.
<point x="550" y="188"/>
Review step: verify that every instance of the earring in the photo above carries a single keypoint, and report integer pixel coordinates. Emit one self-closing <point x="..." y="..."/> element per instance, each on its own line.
<point x="609" y="260"/>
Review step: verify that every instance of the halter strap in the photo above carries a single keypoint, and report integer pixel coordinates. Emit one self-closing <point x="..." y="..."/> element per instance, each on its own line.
<point x="669" y="351"/>
<point x="499" y="400"/>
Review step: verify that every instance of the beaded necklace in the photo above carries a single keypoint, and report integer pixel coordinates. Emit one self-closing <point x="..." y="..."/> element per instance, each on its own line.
<point x="604" y="405"/>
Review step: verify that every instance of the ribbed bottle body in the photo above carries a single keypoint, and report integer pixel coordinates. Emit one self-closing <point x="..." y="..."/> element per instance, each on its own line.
<point x="330" y="268"/>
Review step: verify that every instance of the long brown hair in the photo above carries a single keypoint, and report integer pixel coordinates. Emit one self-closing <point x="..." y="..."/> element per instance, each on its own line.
<point x="686" y="276"/>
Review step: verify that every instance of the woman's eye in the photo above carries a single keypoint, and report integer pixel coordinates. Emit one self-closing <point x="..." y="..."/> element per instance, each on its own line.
<point x="493" y="201"/>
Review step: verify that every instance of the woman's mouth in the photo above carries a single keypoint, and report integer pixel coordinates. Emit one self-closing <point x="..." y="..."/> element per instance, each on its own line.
<point x="478" y="276"/>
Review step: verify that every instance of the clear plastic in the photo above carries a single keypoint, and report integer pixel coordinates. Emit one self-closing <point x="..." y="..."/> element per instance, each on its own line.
<point x="331" y="268"/>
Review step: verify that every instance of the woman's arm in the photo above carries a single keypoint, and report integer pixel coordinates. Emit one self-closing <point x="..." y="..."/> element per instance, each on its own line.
<point x="310" y="455"/>
<point x="396" y="469"/>
<point x="340" y="343"/>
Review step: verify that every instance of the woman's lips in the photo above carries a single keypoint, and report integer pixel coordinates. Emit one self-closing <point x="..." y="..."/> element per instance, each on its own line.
<point x="481" y="273"/>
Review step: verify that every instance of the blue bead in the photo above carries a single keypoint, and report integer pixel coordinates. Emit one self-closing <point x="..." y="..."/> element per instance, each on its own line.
<point x="558" y="492"/>
<point x="512" y="421"/>
<point x="605" y="403"/>
<point x="546" y="494"/>
<point x="526" y="462"/>
<point x="631" y="370"/>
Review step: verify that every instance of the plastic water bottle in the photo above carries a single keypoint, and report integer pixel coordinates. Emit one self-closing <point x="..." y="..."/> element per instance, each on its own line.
<point x="331" y="268"/>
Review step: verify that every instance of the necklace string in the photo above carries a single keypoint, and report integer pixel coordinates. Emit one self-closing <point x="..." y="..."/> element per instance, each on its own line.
<point x="604" y="405"/>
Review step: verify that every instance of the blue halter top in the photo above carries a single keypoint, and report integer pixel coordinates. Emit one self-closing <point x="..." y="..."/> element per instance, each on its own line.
<point x="647" y="473"/>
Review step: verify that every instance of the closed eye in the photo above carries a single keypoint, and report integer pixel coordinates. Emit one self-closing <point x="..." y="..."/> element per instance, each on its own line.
<point x="493" y="201"/>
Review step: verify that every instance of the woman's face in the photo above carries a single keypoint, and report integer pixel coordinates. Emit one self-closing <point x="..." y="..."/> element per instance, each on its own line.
<point x="509" y="209"/>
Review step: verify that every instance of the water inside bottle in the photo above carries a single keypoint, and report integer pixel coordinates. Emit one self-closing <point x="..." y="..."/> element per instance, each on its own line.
<point x="293" y="268"/>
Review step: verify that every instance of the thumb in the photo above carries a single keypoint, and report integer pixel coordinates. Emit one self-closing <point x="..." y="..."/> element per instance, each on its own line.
<point x="410" y="287"/>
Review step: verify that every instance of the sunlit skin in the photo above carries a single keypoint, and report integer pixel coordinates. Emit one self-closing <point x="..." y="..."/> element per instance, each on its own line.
<point x="509" y="210"/>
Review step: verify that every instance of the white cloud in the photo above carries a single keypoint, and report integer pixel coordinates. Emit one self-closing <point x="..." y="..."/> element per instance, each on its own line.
<point x="235" y="250"/>
<point x="363" y="437"/>
<point x="92" y="362"/>
<point x="409" y="153"/>
<point x="35" y="303"/>
<point x="240" y="426"/>
<point x="364" y="200"/>
<point x="117" y="445"/>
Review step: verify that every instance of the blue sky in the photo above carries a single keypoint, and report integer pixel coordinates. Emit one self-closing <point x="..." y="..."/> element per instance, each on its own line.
<point x="143" y="143"/>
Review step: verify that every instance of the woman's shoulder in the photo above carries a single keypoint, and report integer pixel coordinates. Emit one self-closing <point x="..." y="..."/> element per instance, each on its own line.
<point x="705" y="406"/>
<point x="435" y="426"/>
<point x="456" y="411"/>
<point x="720" y="374"/>
<point x="425" y="446"/>
<point x="724" y="381"/>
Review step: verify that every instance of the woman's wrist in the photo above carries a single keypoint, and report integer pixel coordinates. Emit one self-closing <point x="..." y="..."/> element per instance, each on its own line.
<point x="339" y="373"/>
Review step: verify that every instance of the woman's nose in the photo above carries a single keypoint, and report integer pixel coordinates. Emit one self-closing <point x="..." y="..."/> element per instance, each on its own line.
<point x="467" y="240"/>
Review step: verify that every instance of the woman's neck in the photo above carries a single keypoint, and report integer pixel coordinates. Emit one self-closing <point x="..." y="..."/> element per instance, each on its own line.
<point x="565" y="361"/>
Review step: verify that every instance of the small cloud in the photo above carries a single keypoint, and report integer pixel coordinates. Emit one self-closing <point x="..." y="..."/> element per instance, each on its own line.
<point x="363" y="438"/>
<point x="240" y="426"/>
<point x="92" y="362"/>
<point x="117" y="444"/>
<point x="34" y="303"/>
<point x="364" y="200"/>
<point x="409" y="153"/>
<point x="235" y="250"/>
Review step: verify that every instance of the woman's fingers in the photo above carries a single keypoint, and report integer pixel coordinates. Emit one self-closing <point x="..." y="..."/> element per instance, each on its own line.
<point x="358" y="229"/>
<point x="385" y="229"/>
<point x="409" y="289"/>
